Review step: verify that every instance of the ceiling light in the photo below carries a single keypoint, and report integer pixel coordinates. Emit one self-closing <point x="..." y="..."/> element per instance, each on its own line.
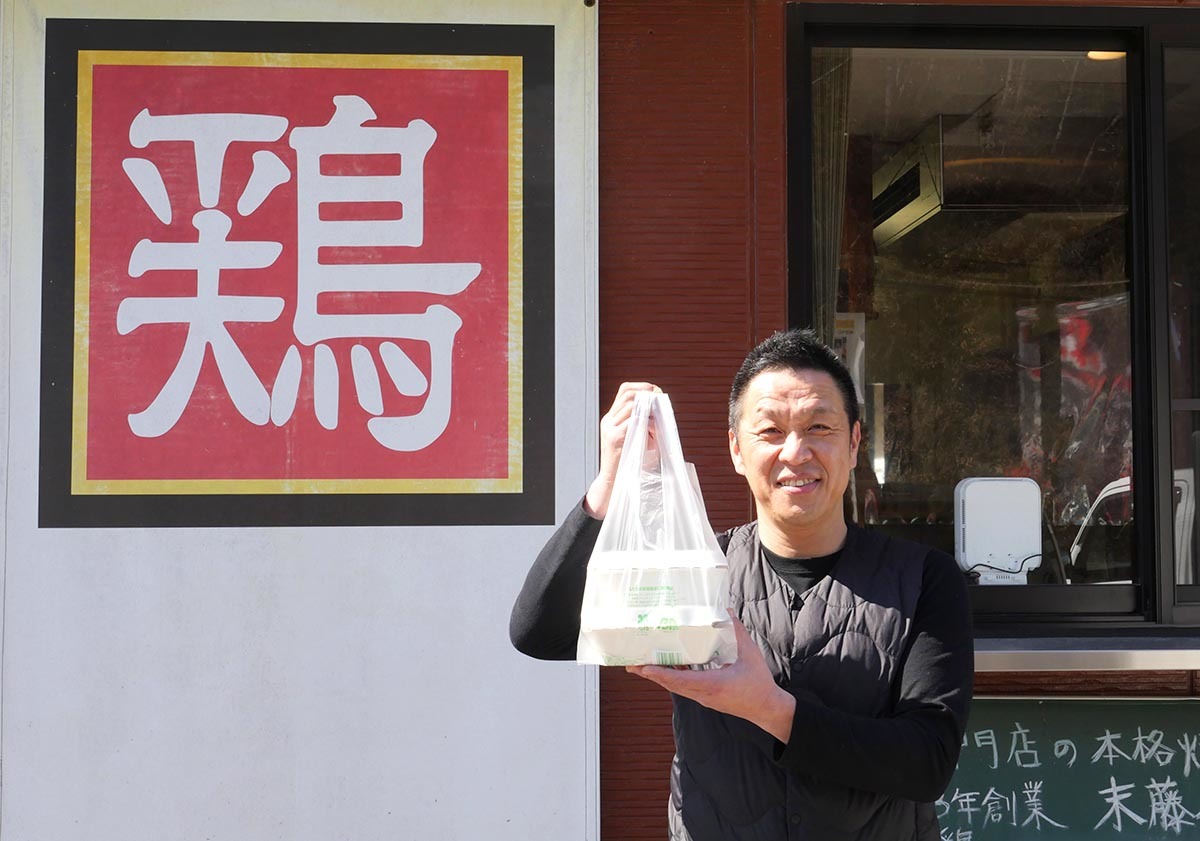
<point x="1104" y="55"/>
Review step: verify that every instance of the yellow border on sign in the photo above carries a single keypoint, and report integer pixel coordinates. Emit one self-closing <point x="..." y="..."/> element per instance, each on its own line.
<point x="80" y="484"/>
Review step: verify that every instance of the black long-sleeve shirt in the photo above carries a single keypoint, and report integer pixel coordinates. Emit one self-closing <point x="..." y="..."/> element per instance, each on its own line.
<point x="911" y="754"/>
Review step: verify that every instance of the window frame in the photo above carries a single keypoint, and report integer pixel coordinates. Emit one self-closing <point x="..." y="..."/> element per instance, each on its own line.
<point x="1155" y="606"/>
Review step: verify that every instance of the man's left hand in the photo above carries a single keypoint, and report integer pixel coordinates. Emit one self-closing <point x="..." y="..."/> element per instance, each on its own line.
<point x="744" y="688"/>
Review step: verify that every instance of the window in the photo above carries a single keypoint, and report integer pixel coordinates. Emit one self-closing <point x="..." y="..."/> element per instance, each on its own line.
<point x="969" y="224"/>
<point x="1181" y="67"/>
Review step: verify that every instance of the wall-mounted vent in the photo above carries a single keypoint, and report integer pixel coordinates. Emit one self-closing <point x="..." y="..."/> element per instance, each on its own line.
<point x="1073" y="165"/>
<point x="896" y="195"/>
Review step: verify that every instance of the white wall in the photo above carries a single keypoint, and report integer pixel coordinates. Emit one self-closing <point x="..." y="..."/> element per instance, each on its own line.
<point x="290" y="683"/>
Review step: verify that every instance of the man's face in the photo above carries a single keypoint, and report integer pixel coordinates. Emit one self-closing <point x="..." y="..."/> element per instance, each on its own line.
<point x="795" y="446"/>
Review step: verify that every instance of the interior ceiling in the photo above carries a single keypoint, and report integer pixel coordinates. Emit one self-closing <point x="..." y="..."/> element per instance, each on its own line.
<point x="1006" y="245"/>
<point x="894" y="93"/>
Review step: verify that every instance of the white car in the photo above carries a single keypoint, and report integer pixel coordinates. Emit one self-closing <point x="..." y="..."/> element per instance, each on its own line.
<point x="1115" y="496"/>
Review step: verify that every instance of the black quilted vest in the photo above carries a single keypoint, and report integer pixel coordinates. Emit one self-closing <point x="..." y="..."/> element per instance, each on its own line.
<point x="842" y="640"/>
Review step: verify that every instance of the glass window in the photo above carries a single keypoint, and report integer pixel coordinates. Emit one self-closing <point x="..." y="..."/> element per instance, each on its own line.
<point x="970" y="229"/>
<point x="1183" y="492"/>
<point x="1103" y="548"/>
<point x="1182" y="115"/>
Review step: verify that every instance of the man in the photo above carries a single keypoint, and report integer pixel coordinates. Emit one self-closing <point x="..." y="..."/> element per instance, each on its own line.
<point x="845" y="711"/>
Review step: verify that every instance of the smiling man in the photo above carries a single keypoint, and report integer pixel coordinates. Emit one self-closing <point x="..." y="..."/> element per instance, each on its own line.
<point x="844" y="713"/>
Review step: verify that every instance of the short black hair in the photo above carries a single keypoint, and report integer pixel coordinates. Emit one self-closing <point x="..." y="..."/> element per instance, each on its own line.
<point x="792" y="350"/>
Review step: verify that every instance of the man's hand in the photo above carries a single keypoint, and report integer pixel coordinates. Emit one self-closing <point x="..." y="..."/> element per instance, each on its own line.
<point x="745" y="689"/>
<point x="613" y="427"/>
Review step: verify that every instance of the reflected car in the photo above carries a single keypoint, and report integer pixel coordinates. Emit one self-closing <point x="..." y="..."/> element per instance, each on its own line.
<point x="1102" y="550"/>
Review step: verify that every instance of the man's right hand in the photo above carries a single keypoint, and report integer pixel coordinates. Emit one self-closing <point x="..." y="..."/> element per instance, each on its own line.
<point x="613" y="427"/>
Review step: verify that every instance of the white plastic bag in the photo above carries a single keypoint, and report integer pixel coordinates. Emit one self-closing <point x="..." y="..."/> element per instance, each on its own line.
<point x="657" y="587"/>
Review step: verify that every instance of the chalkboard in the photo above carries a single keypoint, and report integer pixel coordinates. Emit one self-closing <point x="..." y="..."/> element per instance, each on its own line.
<point x="1096" y="769"/>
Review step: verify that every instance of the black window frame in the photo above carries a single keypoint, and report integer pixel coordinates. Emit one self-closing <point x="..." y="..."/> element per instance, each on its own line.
<point x="1155" y="606"/>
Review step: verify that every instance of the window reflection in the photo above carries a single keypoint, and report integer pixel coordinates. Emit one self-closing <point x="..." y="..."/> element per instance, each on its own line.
<point x="1182" y="85"/>
<point x="970" y="228"/>
<point x="1183" y="494"/>
<point x="1103" y="548"/>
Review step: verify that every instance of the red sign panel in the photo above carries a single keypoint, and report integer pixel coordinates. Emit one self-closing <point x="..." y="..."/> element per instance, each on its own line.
<point x="297" y="274"/>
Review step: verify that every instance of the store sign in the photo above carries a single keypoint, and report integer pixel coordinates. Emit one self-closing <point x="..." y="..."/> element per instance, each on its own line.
<point x="1067" y="768"/>
<point x="296" y="274"/>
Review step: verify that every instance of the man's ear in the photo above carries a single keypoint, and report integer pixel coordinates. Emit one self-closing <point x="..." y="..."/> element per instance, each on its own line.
<point x="855" y="438"/>
<point x="735" y="453"/>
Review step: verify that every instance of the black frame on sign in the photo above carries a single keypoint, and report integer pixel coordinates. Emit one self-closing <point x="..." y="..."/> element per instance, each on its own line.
<point x="532" y="505"/>
<point x="1155" y="606"/>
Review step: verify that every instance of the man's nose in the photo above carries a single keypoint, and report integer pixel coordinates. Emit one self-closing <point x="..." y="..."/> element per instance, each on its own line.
<point x="795" y="449"/>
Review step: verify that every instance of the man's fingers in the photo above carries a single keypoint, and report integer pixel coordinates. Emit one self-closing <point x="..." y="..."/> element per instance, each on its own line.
<point x="622" y="406"/>
<point x="686" y="682"/>
<point x="627" y="391"/>
<point x="654" y="673"/>
<point x="745" y="643"/>
<point x="637" y="387"/>
<point x="613" y="431"/>
<point x="739" y="630"/>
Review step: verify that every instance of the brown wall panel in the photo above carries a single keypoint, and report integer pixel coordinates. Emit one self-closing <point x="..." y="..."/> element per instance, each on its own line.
<point x="677" y="220"/>
<point x="1096" y="683"/>
<point x="1170" y="4"/>
<point x="692" y="256"/>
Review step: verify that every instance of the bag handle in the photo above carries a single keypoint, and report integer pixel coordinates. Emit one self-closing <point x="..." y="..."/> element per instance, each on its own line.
<point x="653" y="414"/>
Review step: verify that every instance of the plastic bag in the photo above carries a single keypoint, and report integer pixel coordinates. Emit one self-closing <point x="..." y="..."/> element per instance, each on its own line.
<point x="657" y="586"/>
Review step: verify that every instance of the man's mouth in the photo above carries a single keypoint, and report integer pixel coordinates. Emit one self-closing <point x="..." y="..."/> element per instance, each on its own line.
<point x="797" y="483"/>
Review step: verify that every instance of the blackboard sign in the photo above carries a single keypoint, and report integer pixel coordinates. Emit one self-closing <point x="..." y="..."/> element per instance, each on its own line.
<point x="1127" y="769"/>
